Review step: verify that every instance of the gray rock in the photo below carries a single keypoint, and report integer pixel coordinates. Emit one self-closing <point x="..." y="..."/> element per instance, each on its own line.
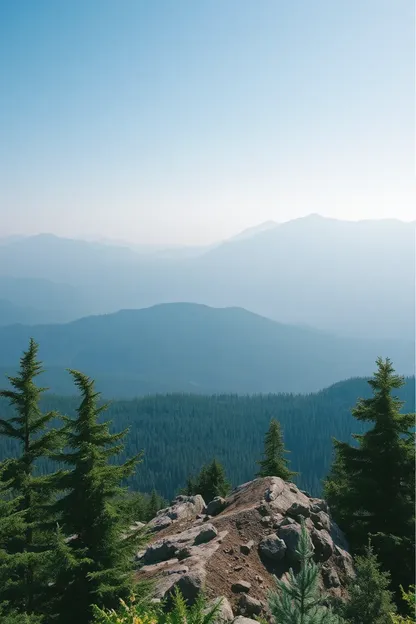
<point x="240" y="619"/>
<point x="266" y="521"/>
<point x="330" y="577"/>
<point x="159" y="551"/>
<point x="240" y="587"/>
<point x="290" y="534"/>
<point x="184" y="553"/>
<point x="186" y="507"/>
<point x="206" y="534"/>
<point x="216" y="506"/>
<point x="159" y="523"/>
<point x="276" y="488"/>
<point x="225" y="612"/>
<point x="272" y="547"/>
<point x="298" y="509"/>
<point x="249" y="605"/>
<point x="287" y="521"/>
<point x="318" y="505"/>
<point x="246" y="548"/>
<point x="323" y="544"/>
<point x="192" y="584"/>
<point x="321" y="520"/>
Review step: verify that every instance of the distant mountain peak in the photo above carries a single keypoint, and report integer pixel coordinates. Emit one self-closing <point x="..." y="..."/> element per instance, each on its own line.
<point x="255" y="229"/>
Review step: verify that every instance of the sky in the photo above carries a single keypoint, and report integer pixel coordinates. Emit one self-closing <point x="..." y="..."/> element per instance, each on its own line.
<point x="184" y="122"/>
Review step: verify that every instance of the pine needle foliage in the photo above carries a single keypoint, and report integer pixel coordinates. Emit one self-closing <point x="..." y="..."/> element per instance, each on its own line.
<point x="274" y="462"/>
<point x="26" y="546"/>
<point x="370" y="600"/>
<point x="99" y="555"/>
<point x="299" y="600"/>
<point x="371" y="487"/>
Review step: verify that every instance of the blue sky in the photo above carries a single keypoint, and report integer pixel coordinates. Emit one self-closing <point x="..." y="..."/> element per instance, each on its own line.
<point x="185" y="121"/>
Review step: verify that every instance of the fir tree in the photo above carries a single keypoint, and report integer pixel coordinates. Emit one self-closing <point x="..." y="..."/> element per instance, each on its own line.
<point x="299" y="601"/>
<point x="370" y="601"/>
<point x="274" y="463"/>
<point x="27" y="546"/>
<point x="98" y="569"/>
<point x="210" y="482"/>
<point x="371" y="487"/>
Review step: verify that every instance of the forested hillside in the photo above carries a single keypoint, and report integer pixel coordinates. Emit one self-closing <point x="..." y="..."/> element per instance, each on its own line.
<point x="185" y="347"/>
<point x="179" y="432"/>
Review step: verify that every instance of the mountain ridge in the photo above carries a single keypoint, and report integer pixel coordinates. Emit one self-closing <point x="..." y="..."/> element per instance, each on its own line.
<point x="197" y="348"/>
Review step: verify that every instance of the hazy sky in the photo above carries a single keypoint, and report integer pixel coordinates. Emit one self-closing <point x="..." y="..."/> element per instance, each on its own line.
<point x="189" y="120"/>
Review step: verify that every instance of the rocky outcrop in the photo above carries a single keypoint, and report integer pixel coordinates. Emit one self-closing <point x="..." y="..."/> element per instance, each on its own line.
<point x="183" y="508"/>
<point x="235" y="551"/>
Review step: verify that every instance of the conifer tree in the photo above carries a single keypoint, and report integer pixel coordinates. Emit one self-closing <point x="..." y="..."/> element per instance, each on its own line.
<point x="26" y="546"/>
<point x="299" y="601"/>
<point x="370" y="601"/>
<point x="99" y="560"/>
<point x="212" y="481"/>
<point x="209" y="483"/>
<point x="274" y="463"/>
<point x="371" y="487"/>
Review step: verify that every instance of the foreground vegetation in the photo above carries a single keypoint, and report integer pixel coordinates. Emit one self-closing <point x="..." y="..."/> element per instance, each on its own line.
<point x="67" y="547"/>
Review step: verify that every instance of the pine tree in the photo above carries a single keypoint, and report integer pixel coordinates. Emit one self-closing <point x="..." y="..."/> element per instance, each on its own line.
<point x="299" y="601"/>
<point x="209" y="483"/>
<point x="98" y="569"/>
<point x="212" y="481"/>
<point x="274" y="463"/>
<point x="26" y="495"/>
<point x="371" y="487"/>
<point x="370" y="601"/>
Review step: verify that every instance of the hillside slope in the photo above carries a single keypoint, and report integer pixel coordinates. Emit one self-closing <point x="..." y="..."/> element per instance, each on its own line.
<point x="194" y="348"/>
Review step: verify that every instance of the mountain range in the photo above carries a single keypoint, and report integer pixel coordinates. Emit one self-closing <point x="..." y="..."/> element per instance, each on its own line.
<point x="195" y="348"/>
<point x="355" y="279"/>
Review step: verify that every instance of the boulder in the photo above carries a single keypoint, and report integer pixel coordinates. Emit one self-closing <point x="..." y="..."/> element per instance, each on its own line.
<point x="240" y="619"/>
<point x="318" y="504"/>
<point x="330" y="577"/>
<point x="186" y="507"/>
<point x="206" y="534"/>
<point x="241" y="586"/>
<point x="321" y="520"/>
<point x="298" y="510"/>
<point x="159" y="523"/>
<point x="225" y="612"/>
<point x="275" y="489"/>
<point x="159" y="551"/>
<point x="249" y="605"/>
<point x="216" y="506"/>
<point x="246" y="548"/>
<point x="272" y="547"/>
<point x="323" y="544"/>
<point x="192" y="583"/>
<point x="290" y="534"/>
